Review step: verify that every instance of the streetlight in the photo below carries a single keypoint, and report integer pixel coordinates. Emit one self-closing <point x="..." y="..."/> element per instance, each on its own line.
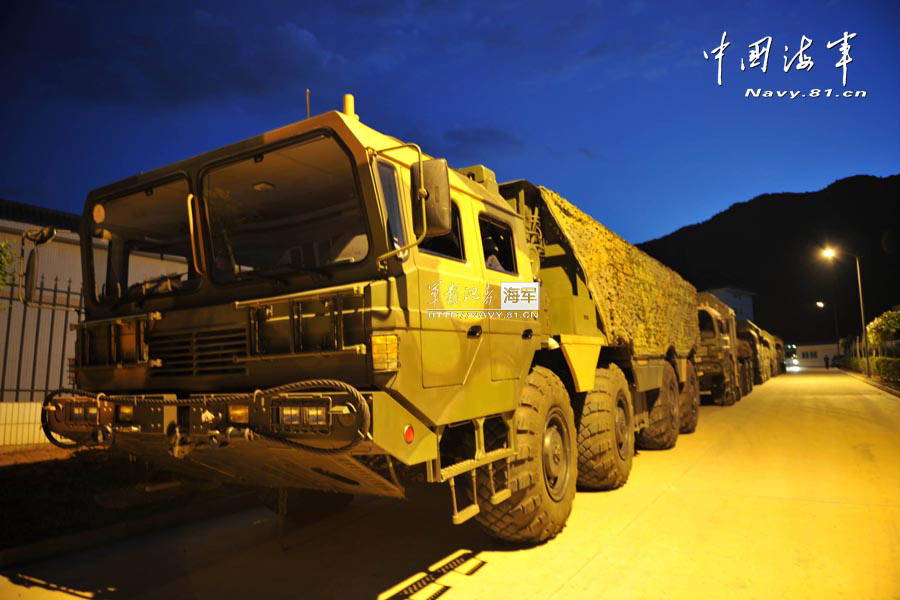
<point x="830" y="254"/>
<point x="820" y="304"/>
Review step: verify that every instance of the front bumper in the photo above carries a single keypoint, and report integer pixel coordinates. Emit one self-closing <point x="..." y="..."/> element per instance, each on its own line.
<point x="254" y="438"/>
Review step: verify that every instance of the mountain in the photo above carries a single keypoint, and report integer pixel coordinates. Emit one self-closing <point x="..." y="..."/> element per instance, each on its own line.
<point x="771" y="245"/>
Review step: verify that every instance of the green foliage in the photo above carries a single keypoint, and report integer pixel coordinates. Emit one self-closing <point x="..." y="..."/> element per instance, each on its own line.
<point x="7" y="264"/>
<point x="882" y="366"/>
<point x="884" y="326"/>
<point x="886" y="368"/>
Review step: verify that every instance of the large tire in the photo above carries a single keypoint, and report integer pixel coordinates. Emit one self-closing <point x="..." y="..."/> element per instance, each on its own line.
<point x="746" y="378"/>
<point x="662" y="432"/>
<point x="690" y="401"/>
<point x="606" y="433"/>
<point x="542" y="474"/>
<point x="736" y="384"/>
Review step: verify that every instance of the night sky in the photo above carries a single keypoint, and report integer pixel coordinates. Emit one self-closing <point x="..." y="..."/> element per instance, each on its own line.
<point x="612" y="104"/>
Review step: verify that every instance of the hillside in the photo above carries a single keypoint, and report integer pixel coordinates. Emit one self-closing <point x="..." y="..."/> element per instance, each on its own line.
<point x="770" y="245"/>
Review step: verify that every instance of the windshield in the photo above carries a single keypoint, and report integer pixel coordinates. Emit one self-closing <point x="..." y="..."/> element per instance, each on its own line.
<point x="141" y="243"/>
<point x="295" y="209"/>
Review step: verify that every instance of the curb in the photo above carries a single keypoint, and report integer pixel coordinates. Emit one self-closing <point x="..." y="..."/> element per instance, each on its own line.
<point x="112" y="533"/>
<point x="884" y="388"/>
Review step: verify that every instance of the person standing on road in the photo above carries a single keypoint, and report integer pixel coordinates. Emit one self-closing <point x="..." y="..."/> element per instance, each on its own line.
<point x="826" y="361"/>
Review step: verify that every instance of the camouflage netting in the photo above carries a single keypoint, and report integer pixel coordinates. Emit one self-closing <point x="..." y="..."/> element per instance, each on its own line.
<point x="643" y="303"/>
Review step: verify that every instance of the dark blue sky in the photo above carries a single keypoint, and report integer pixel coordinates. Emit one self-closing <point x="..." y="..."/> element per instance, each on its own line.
<point x="610" y="103"/>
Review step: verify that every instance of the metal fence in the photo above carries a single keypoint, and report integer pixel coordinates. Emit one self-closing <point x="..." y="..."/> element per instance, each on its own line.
<point x="37" y="341"/>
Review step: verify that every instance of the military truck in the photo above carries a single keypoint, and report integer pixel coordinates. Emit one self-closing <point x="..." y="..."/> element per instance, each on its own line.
<point x="325" y="307"/>
<point x="762" y="347"/>
<point x="719" y="367"/>
<point x="772" y="354"/>
<point x="780" y="356"/>
<point x="745" y="361"/>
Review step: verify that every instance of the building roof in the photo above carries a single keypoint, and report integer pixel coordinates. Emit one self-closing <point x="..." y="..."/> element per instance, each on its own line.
<point x="38" y="215"/>
<point x="731" y="289"/>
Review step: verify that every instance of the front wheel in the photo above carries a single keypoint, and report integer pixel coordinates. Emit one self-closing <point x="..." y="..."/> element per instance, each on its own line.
<point x="542" y="474"/>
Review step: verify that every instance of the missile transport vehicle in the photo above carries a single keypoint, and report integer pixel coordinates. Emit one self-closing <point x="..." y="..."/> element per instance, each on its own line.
<point x="325" y="307"/>
<point x="762" y="350"/>
<point x="719" y="365"/>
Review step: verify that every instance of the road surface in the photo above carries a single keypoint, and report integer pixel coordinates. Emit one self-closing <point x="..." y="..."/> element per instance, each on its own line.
<point x="792" y="493"/>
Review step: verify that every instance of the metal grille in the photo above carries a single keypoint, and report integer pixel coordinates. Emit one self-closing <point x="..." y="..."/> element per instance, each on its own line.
<point x="207" y="352"/>
<point x="36" y="342"/>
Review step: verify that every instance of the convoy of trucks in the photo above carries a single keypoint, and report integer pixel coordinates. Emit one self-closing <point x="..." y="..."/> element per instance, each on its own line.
<point x="326" y="307"/>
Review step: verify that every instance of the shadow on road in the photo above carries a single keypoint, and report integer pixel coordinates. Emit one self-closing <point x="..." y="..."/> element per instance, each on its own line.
<point x="374" y="548"/>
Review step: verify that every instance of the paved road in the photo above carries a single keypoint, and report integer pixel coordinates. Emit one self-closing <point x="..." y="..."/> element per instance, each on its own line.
<point x="792" y="493"/>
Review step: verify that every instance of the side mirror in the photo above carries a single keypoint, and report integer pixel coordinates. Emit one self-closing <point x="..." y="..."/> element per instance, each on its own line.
<point x="28" y="281"/>
<point x="438" y="216"/>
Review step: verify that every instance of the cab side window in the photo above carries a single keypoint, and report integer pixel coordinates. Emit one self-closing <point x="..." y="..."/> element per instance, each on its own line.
<point x="449" y="245"/>
<point x="387" y="177"/>
<point x="497" y="243"/>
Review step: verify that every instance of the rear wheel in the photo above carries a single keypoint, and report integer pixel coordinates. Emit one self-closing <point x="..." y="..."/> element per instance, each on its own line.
<point x="662" y="432"/>
<point x="606" y="433"/>
<point x="542" y="474"/>
<point x="690" y="401"/>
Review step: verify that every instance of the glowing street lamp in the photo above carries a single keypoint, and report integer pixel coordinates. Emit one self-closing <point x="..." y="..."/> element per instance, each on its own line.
<point x="820" y="304"/>
<point x="830" y="254"/>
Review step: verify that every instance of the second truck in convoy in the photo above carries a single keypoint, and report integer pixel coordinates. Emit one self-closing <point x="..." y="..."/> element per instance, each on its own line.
<point x="325" y="307"/>
<point x="721" y="367"/>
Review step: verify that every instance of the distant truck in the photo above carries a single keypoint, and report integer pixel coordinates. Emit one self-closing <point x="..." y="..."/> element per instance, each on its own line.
<point x="720" y="366"/>
<point x="333" y="309"/>
<point x="762" y="349"/>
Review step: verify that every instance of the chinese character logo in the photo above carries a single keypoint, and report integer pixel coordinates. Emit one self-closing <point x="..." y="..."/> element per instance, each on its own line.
<point x="519" y="296"/>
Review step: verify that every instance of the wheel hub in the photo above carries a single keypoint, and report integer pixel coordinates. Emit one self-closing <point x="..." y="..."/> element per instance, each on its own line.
<point x="555" y="457"/>
<point x="621" y="429"/>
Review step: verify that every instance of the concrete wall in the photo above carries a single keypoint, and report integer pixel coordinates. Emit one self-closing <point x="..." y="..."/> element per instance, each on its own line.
<point x="20" y="424"/>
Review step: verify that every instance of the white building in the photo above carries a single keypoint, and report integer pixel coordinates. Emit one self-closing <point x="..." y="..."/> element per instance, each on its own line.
<point x="813" y="355"/>
<point x="741" y="301"/>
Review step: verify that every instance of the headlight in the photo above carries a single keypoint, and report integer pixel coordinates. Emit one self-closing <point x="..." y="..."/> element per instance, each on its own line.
<point x="124" y="413"/>
<point x="239" y="413"/>
<point x="385" y="353"/>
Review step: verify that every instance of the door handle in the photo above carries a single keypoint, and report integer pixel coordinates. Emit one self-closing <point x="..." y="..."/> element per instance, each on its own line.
<point x="474" y="331"/>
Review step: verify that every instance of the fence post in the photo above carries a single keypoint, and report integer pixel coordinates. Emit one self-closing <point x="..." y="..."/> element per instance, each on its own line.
<point x="52" y="331"/>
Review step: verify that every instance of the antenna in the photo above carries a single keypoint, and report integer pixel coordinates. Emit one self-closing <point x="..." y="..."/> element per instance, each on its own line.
<point x="307" y="103"/>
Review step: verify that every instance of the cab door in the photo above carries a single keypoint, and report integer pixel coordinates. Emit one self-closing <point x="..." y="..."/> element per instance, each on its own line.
<point x="451" y="288"/>
<point x="512" y="332"/>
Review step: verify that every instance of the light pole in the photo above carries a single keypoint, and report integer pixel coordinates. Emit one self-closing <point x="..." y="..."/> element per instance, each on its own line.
<point x="837" y="336"/>
<point x="830" y="254"/>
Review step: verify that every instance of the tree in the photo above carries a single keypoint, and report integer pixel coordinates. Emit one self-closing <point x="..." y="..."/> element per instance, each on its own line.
<point x="883" y="327"/>
<point x="7" y="265"/>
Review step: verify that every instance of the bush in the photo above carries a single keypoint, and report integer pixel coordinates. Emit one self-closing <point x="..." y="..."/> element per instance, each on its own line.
<point x="857" y="364"/>
<point x="886" y="367"/>
<point x="882" y="366"/>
